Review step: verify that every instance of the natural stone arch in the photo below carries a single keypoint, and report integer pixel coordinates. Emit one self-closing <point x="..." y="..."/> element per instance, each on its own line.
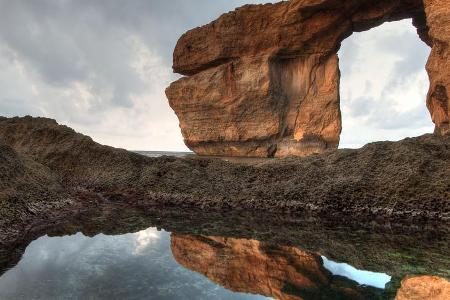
<point x="263" y="80"/>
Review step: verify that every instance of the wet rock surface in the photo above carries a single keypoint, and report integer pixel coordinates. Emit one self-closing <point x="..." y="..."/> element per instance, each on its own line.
<point x="263" y="80"/>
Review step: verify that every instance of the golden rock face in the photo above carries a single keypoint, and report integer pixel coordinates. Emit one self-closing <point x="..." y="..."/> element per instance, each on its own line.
<point x="263" y="80"/>
<point x="424" y="287"/>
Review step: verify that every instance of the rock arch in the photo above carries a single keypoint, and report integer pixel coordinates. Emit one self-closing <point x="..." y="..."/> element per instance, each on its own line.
<point x="263" y="80"/>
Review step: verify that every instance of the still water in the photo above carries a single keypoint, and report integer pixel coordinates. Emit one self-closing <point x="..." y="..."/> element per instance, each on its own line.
<point x="130" y="266"/>
<point x="105" y="256"/>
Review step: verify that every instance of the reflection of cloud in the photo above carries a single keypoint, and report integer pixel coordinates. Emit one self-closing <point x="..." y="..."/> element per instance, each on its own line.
<point x="144" y="238"/>
<point x="378" y="280"/>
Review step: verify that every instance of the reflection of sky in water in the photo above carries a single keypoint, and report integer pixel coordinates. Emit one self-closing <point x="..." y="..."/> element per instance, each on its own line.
<point x="378" y="280"/>
<point x="131" y="266"/>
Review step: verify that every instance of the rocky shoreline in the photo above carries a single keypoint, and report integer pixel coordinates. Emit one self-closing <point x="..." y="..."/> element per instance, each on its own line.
<point x="48" y="170"/>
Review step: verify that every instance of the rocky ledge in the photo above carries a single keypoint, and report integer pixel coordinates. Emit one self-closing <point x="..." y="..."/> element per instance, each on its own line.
<point x="263" y="80"/>
<point x="46" y="167"/>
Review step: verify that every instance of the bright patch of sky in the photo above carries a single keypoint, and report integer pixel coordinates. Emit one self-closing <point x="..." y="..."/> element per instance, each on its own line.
<point x="384" y="85"/>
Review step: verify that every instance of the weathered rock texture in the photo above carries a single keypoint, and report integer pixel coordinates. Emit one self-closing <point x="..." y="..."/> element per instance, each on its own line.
<point x="263" y="80"/>
<point x="438" y="66"/>
<point x="394" y="180"/>
<point x="424" y="287"/>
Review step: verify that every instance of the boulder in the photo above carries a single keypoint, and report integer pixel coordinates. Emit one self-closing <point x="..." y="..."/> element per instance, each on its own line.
<point x="424" y="287"/>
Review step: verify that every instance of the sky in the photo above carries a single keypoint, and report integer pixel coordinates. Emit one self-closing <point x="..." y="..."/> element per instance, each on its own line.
<point x="101" y="67"/>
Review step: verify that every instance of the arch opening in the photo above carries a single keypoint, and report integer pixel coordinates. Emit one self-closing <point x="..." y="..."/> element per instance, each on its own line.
<point x="383" y="85"/>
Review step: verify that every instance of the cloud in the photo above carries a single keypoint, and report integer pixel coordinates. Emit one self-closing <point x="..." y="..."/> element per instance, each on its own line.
<point x="380" y="114"/>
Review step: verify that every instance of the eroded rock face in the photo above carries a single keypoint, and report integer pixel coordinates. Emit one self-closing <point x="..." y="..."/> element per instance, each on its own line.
<point x="424" y="287"/>
<point x="263" y="80"/>
<point x="412" y="174"/>
<point x="438" y="66"/>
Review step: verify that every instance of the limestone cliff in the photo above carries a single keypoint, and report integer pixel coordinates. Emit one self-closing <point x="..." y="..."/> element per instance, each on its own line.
<point x="263" y="80"/>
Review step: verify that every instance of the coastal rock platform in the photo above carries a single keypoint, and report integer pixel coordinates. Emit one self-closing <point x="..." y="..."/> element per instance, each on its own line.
<point x="47" y="167"/>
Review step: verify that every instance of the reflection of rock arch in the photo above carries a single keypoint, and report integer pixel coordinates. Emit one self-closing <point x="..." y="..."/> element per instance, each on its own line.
<point x="250" y="266"/>
<point x="264" y="80"/>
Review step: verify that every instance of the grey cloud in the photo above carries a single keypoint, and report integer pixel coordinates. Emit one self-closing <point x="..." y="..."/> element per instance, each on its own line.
<point x="412" y="53"/>
<point x="348" y="55"/>
<point x="382" y="115"/>
<point x="380" y="112"/>
<point x="65" y="41"/>
<point x="412" y="57"/>
<point x="11" y="107"/>
<point x="60" y="37"/>
<point x="362" y="106"/>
